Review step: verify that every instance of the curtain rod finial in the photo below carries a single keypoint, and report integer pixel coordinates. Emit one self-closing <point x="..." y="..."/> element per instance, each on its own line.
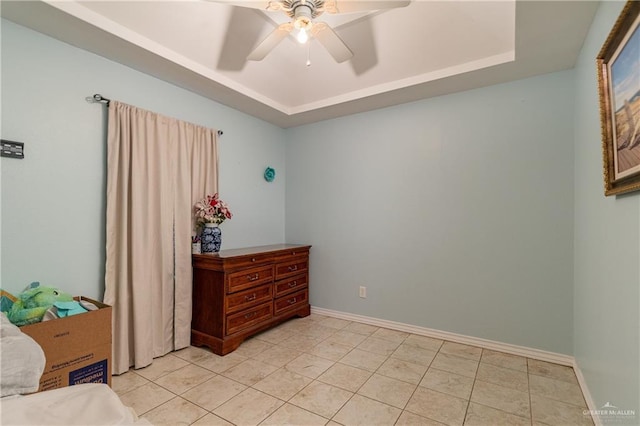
<point x="99" y="98"/>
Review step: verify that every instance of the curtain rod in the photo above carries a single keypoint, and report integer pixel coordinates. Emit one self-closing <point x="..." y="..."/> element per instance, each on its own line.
<point x="101" y="99"/>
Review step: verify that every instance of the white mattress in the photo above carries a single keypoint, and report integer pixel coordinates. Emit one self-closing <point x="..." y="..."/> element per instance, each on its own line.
<point x="85" y="404"/>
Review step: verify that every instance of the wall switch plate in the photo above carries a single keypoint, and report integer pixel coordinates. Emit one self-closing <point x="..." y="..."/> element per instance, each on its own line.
<point x="363" y="292"/>
<point x="11" y="149"/>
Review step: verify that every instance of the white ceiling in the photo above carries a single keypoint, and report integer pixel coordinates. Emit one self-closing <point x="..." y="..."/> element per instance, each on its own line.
<point x="428" y="48"/>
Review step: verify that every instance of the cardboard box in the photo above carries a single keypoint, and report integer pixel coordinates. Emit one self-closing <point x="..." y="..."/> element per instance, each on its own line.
<point x="77" y="348"/>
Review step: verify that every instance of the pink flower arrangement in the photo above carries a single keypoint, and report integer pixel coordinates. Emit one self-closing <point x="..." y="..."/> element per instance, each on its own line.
<point x="211" y="209"/>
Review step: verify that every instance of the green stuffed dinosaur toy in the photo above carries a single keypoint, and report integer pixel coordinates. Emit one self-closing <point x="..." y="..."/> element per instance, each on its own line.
<point x="31" y="305"/>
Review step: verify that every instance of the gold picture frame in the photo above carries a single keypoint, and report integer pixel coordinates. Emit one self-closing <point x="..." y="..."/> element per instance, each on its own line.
<point x="619" y="88"/>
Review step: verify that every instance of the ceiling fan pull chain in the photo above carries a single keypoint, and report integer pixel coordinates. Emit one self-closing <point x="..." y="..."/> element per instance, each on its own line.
<point x="309" y="54"/>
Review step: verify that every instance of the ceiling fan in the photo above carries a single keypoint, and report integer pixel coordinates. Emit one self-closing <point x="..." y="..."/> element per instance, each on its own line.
<point x="302" y="24"/>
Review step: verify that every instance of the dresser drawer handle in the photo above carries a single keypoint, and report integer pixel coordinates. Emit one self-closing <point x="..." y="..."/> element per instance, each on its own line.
<point x="293" y="268"/>
<point x="250" y="298"/>
<point x="292" y="301"/>
<point x="253" y="277"/>
<point x="292" y="284"/>
<point x="253" y="259"/>
<point x="250" y="315"/>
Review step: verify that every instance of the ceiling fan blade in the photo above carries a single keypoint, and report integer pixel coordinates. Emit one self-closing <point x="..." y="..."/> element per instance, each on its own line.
<point x="252" y="4"/>
<point x="348" y="6"/>
<point x="331" y="41"/>
<point x="269" y="43"/>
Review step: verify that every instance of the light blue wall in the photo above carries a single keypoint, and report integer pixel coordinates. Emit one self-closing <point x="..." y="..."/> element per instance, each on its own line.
<point x="607" y="249"/>
<point x="456" y="212"/>
<point x="53" y="200"/>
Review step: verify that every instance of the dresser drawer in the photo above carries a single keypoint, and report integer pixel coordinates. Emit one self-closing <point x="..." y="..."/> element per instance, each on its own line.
<point x="285" y="256"/>
<point x="249" y="317"/>
<point x="291" y="301"/>
<point x="289" y="285"/>
<point x="248" y="261"/>
<point x="249" y="278"/>
<point x="244" y="299"/>
<point x="293" y="267"/>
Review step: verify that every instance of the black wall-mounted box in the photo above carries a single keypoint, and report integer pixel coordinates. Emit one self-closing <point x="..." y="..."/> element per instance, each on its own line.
<point x="11" y="149"/>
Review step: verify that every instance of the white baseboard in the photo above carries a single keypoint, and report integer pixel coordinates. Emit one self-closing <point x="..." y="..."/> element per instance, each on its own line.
<point x="587" y="395"/>
<point x="524" y="351"/>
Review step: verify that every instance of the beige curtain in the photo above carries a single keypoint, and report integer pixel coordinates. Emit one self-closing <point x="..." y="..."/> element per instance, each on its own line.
<point x="157" y="168"/>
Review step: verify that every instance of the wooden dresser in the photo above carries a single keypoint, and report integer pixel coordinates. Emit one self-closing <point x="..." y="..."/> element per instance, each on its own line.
<point x="238" y="293"/>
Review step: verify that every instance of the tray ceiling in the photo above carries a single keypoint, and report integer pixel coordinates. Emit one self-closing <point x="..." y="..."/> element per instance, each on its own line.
<point x="428" y="48"/>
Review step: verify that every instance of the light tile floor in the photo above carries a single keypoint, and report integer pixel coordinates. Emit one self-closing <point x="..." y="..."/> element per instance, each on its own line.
<point x="327" y="371"/>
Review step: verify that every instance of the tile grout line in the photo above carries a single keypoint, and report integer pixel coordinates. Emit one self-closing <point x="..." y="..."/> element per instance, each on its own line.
<point x="366" y="336"/>
<point x="316" y="379"/>
<point x="530" y="401"/>
<point x="418" y="385"/>
<point x="475" y="377"/>
<point x="360" y="387"/>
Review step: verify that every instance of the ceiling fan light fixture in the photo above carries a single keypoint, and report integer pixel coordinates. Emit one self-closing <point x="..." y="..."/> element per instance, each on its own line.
<point x="302" y="36"/>
<point x="303" y="17"/>
<point x="303" y="22"/>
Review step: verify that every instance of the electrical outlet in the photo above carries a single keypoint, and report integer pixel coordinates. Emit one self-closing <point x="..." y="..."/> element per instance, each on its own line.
<point x="363" y="292"/>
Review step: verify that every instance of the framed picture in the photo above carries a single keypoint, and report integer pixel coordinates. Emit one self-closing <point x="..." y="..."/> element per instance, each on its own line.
<point x="619" y="87"/>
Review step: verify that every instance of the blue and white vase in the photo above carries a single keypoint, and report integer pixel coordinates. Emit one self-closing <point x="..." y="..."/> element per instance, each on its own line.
<point x="211" y="238"/>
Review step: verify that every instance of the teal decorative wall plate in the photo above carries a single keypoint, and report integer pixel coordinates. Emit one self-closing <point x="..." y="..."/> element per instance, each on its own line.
<point x="269" y="174"/>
